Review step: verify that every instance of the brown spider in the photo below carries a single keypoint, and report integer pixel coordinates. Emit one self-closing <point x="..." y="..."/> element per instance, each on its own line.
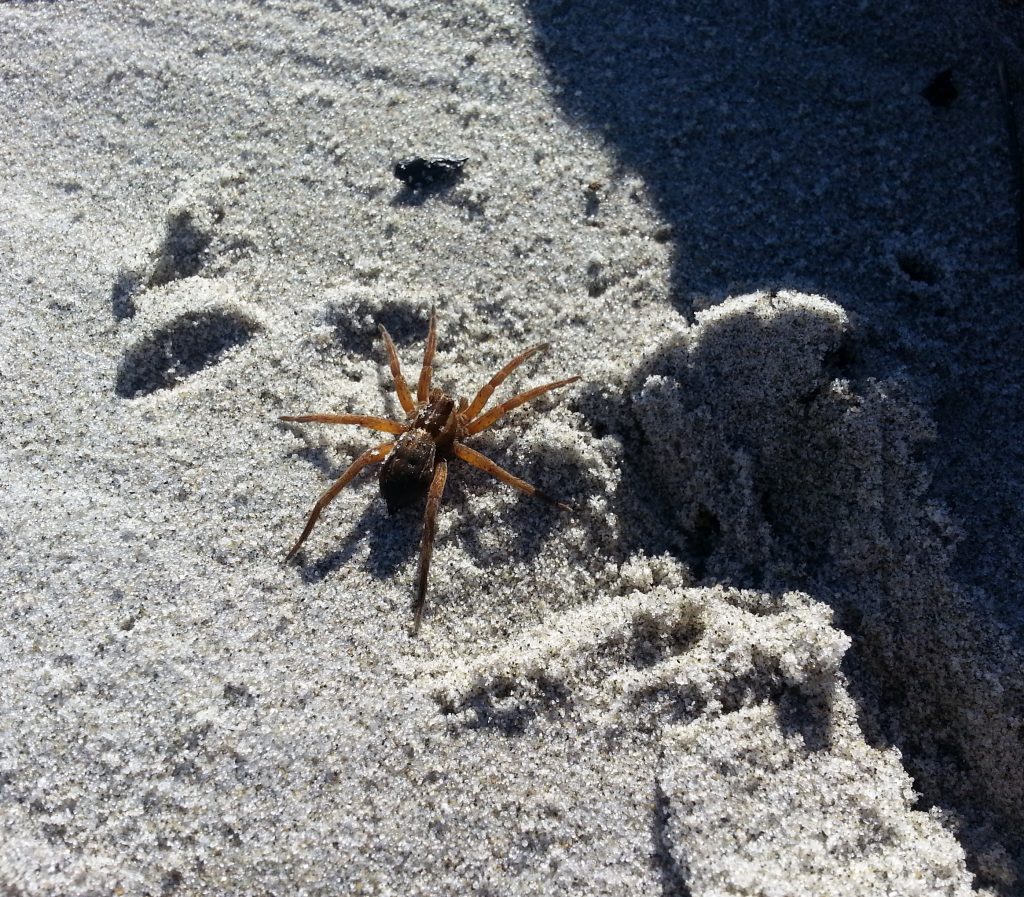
<point x="434" y="432"/>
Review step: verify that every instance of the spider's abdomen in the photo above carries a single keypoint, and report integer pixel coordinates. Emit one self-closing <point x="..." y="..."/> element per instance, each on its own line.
<point x="407" y="471"/>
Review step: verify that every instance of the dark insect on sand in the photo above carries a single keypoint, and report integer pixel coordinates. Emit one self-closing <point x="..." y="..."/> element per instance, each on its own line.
<point x="418" y="173"/>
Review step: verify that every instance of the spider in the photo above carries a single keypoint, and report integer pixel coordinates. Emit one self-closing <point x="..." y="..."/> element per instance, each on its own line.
<point x="433" y="433"/>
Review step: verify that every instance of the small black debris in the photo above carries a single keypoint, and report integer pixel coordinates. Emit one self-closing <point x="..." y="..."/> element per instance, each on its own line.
<point x="941" y="91"/>
<point x="418" y="173"/>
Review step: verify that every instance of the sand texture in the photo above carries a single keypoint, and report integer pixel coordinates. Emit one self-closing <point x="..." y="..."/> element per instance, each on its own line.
<point x="776" y="646"/>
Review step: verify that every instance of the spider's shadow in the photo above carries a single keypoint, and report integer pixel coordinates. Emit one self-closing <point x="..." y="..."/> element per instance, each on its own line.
<point x="319" y="457"/>
<point x="534" y="520"/>
<point x="394" y="538"/>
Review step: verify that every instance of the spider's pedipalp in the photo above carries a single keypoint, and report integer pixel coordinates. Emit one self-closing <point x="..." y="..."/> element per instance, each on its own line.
<point x="487" y="390"/>
<point x="371" y="456"/>
<point x="427" y="542"/>
<point x="482" y="462"/>
<point x="499" y="411"/>
<point x="401" y="387"/>
<point x="364" y="420"/>
<point x="427" y="371"/>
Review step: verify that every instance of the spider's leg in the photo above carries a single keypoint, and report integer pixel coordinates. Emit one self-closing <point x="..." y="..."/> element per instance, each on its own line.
<point x="427" y="543"/>
<point x="363" y="420"/>
<point x="499" y="411"/>
<point x="427" y="371"/>
<point x="486" y="391"/>
<point x="401" y="387"/>
<point x="472" y="456"/>
<point x="371" y="456"/>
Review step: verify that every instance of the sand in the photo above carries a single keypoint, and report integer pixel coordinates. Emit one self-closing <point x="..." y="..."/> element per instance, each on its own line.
<point x="776" y="648"/>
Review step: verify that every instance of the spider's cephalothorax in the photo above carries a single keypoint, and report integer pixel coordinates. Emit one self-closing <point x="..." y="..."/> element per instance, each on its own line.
<point x="433" y="434"/>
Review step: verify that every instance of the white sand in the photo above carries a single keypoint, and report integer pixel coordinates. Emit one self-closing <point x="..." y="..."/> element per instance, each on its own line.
<point x="777" y="649"/>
